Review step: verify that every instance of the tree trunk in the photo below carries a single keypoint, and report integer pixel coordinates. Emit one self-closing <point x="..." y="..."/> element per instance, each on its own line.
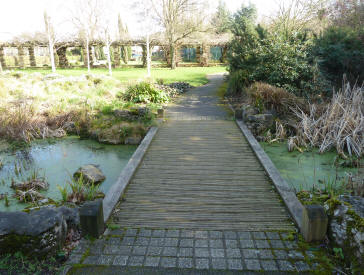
<point x="148" y="57"/>
<point x="109" y="58"/>
<point x="51" y="53"/>
<point x="173" y="56"/>
<point x="88" y="55"/>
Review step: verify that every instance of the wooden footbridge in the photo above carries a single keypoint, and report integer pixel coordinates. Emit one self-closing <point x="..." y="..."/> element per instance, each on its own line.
<point x="200" y="173"/>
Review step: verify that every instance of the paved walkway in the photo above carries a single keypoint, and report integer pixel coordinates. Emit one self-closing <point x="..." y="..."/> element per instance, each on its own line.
<point x="199" y="202"/>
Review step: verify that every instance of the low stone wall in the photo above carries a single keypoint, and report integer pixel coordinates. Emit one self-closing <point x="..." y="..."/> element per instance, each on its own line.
<point x="39" y="232"/>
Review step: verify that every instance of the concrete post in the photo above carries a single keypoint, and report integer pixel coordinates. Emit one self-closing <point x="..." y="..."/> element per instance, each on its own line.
<point x="92" y="218"/>
<point x="32" y="61"/>
<point x="116" y="56"/>
<point x="21" y="54"/>
<point x="314" y="223"/>
<point x="62" y="57"/>
<point x="2" y="58"/>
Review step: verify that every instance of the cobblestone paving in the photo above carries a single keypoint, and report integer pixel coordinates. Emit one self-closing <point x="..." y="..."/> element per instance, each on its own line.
<point x="193" y="249"/>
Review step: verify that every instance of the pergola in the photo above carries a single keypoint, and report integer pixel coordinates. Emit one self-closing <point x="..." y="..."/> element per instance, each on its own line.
<point x="201" y="42"/>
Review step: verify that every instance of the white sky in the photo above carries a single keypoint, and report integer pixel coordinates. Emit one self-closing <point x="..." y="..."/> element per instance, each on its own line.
<point x="18" y="16"/>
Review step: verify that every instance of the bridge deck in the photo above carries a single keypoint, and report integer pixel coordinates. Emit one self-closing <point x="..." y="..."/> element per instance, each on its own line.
<point x="201" y="174"/>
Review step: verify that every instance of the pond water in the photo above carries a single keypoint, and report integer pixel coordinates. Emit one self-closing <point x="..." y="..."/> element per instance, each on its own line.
<point x="302" y="170"/>
<point x="57" y="160"/>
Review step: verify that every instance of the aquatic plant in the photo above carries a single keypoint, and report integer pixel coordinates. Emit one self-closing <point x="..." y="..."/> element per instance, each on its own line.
<point x="339" y="124"/>
<point x="28" y="195"/>
<point x="64" y="192"/>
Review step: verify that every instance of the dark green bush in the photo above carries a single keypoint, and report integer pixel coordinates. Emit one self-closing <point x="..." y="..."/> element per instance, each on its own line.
<point x="340" y="50"/>
<point x="145" y="92"/>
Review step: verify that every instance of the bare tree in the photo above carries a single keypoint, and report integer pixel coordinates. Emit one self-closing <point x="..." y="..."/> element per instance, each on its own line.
<point x="50" y="35"/>
<point x="180" y="19"/>
<point x="300" y="15"/>
<point x="86" y="16"/>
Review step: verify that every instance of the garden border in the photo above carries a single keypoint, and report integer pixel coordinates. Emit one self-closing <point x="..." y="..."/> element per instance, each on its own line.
<point x="117" y="189"/>
<point x="287" y="193"/>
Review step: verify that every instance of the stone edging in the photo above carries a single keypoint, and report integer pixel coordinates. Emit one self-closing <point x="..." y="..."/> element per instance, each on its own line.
<point x="288" y="195"/>
<point x="116" y="191"/>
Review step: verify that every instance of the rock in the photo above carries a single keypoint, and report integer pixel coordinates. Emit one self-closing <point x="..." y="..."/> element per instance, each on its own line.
<point x="39" y="232"/>
<point x="261" y="118"/>
<point x="346" y="227"/>
<point x="70" y="127"/>
<point x="133" y="140"/>
<point x="91" y="174"/>
<point x="143" y="111"/>
<point x="248" y="110"/>
<point x="124" y="114"/>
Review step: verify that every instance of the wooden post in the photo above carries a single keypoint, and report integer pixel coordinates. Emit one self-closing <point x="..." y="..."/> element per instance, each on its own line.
<point x="32" y="61"/>
<point x="62" y="57"/>
<point x="116" y="56"/>
<point x="2" y="58"/>
<point x="21" y="57"/>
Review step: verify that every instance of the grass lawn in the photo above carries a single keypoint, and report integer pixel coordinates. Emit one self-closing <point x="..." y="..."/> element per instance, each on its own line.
<point x="196" y="76"/>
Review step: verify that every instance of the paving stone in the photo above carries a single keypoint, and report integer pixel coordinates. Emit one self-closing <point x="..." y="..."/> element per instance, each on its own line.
<point x="185" y="252"/>
<point x="259" y="235"/>
<point x="231" y="244"/>
<point x="280" y="254"/>
<point x="262" y="244"/>
<point x="234" y="264"/>
<point x="145" y="232"/>
<point x="156" y="242"/>
<point x="217" y="253"/>
<point x="202" y="263"/>
<point x="152" y="261"/>
<point x="158" y="233"/>
<point x="215" y="234"/>
<point x="201" y="234"/>
<point x="74" y="259"/>
<point x="170" y="251"/>
<point x="124" y="250"/>
<point x="269" y="265"/>
<point x="302" y="266"/>
<point x="112" y="249"/>
<point x="91" y="260"/>
<point x="142" y="241"/>
<point x="294" y="254"/>
<point x="276" y="244"/>
<point x="154" y="250"/>
<point x="139" y="250"/>
<point x="284" y="235"/>
<point x="104" y="260"/>
<point x="172" y="233"/>
<point x="219" y="263"/>
<point x="128" y="241"/>
<point x="247" y="244"/>
<point x="230" y="235"/>
<point x="250" y="253"/>
<point x="170" y="241"/>
<point x="285" y="266"/>
<point x="290" y="244"/>
<point x="252" y="264"/>
<point x="130" y="232"/>
<point x="266" y="254"/>
<point x="186" y="243"/>
<point x="185" y="233"/>
<point x="244" y="235"/>
<point x="185" y="262"/>
<point x="116" y="232"/>
<point x="96" y="249"/>
<point x="233" y="253"/>
<point x="120" y="260"/>
<point x="202" y="252"/>
<point x="201" y="243"/>
<point x="168" y="262"/>
<point x="136" y="261"/>
<point x="216" y="244"/>
<point x="272" y="235"/>
<point x="115" y="241"/>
